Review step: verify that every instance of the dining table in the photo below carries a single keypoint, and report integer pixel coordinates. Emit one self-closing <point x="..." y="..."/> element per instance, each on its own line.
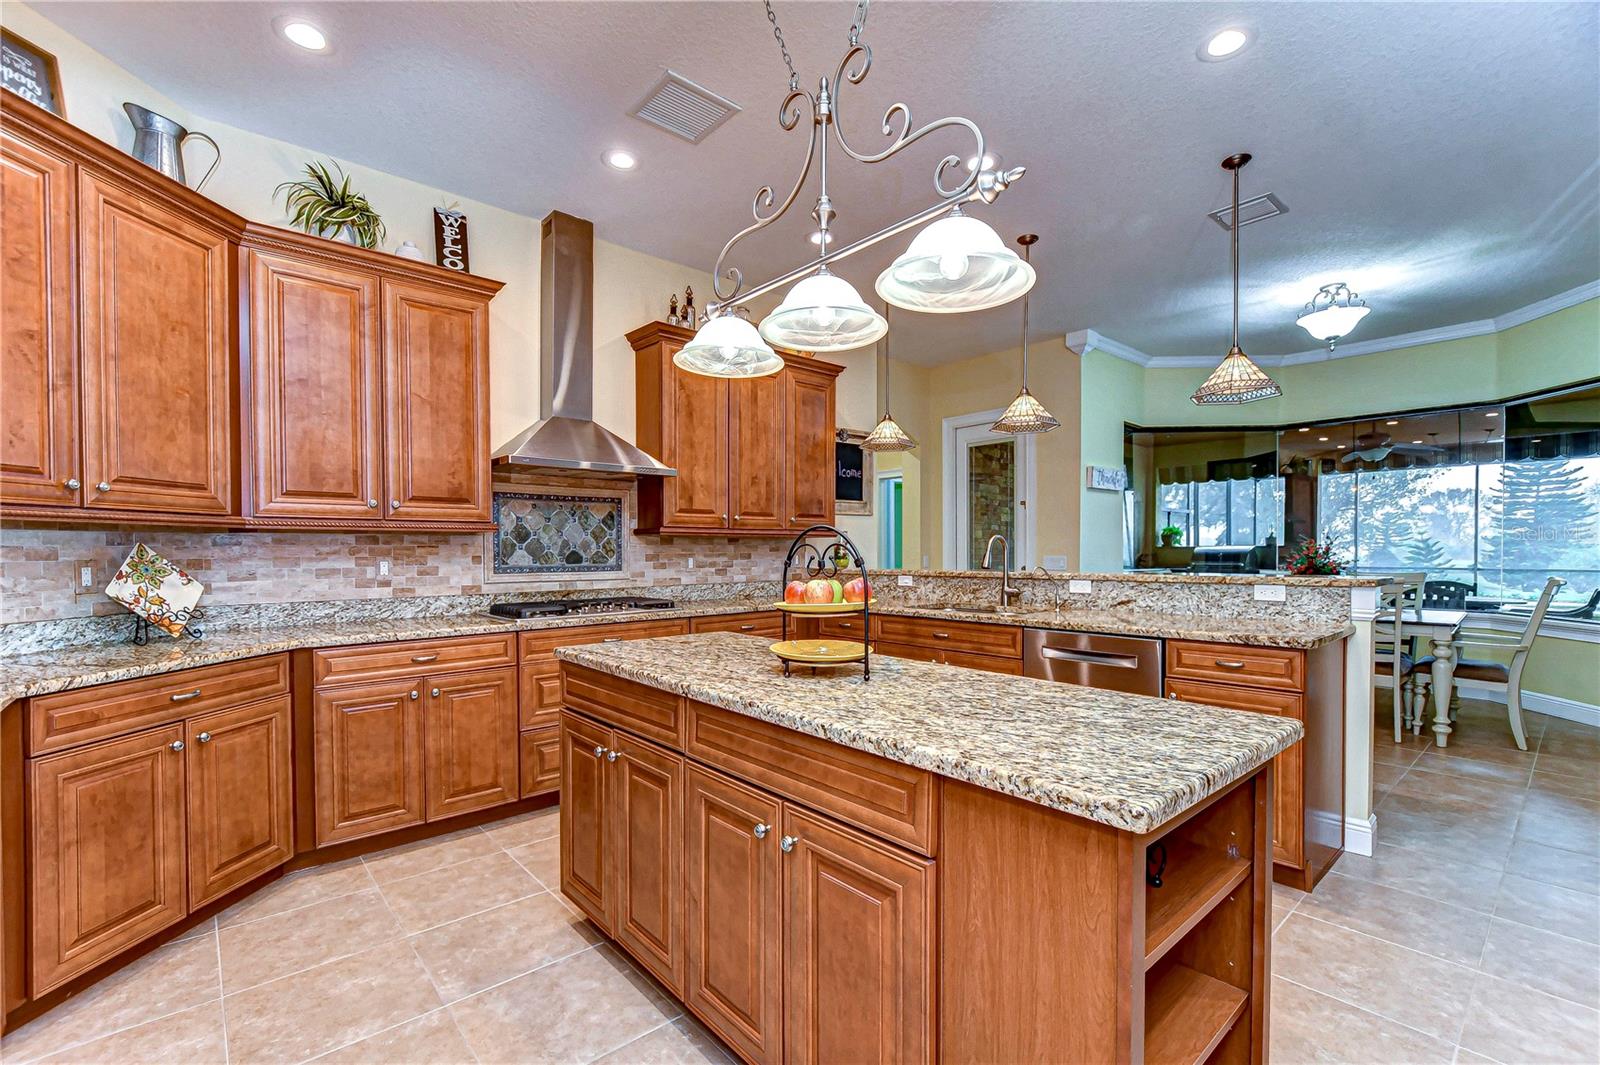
<point x="1441" y="628"/>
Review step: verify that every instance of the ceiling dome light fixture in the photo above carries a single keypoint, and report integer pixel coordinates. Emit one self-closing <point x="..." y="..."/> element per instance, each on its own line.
<point x="304" y="34"/>
<point x="823" y="313"/>
<point x="1332" y="313"/>
<point x="956" y="264"/>
<point x="1025" y="414"/>
<point x="1236" y="379"/>
<point x="887" y="434"/>
<point x="728" y="346"/>
<point x="1224" y="44"/>
<point x="621" y="159"/>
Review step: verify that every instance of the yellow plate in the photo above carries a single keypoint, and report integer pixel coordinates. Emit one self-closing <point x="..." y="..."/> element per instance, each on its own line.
<point x="822" y="608"/>
<point x="820" y="652"/>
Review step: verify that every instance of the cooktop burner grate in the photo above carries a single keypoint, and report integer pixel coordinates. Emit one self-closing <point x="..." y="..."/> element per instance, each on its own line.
<point x="541" y="608"/>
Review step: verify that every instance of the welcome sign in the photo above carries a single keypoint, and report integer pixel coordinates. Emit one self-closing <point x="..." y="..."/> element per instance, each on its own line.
<point x="450" y="239"/>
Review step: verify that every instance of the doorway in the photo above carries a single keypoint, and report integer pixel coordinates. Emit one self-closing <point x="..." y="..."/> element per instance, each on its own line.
<point x="987" y="485"/>
<point x="891" y="523"/>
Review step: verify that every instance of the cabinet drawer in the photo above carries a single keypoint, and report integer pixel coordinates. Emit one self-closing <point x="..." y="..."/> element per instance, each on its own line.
<point x="1263" y="667"/>
<point x="545" y="641"/>
<point x="832" y="627"/>
<point x="413" y="658"/>
<point x="639" y="708"/>
<point x="767" y="623"/>
<point x="992" y="663"/>
<point x="541" y="761"/>
<point x="970" y="637"/>
<point x="863" y="789"/>
<point x="1280" y="704"/>
<point x="65" y="719"/>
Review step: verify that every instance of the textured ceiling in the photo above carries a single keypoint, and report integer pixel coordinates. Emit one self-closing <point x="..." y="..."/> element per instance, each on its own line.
<point x="1443" y="159"/>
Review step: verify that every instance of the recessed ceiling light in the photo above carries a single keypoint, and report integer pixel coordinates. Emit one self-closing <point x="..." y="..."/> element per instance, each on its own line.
<point x="1224" y="44"/>
<point x="1534" y="440"/>
<point x="1416" y="441"/>
<point x="1396" y="422"/>
<point x="1339" y="446"/>
<point x="1492" y="414"/>
<point x="304" y="34"/>
<point x="1307" y="429"/>
<point x="621" y="159"/>
<point x="1323" y="439"/>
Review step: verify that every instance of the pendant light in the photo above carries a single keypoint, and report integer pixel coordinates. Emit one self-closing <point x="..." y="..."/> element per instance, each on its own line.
<point x="1026" y="414"/>
<point x="728" y="346"/>
<point x="956" y="264"/>
<point x="1332" y="313"/>
<point x="823" y="313"/>
<point x="887" y="434"/>
<point x="1236" y="379"/>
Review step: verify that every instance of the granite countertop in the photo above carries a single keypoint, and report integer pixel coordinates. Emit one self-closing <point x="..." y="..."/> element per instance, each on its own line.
<point x="1130" y="761"/>
<point x="1256" y="632"/>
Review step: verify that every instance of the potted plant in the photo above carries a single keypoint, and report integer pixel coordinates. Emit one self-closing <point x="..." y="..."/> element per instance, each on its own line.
<point x="1311" y="559"/>
<point x="323" y="203"/>
<point x="1171" y="535"/>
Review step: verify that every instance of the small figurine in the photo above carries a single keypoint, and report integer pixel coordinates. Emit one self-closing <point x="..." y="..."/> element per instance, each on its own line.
<point x="672" y="310"/>
<point x="688" y="305"/>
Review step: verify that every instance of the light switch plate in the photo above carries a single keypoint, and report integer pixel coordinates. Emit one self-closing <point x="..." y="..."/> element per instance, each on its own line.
<point x="383" y="567"/>
<point x="904" y="580"/>
<point x="1080" y="587"/>
<point x="1271" y="593"/>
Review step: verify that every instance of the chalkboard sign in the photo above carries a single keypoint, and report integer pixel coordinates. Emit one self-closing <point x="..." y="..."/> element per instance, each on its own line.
<point x="31" y="73"/>
<point x="852" y="474"/>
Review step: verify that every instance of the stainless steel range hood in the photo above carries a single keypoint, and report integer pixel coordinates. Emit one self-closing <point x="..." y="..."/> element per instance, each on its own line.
<point x="566" y="436"/>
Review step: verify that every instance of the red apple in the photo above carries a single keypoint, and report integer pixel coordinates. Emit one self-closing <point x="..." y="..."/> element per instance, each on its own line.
<point x="794" y="592"/>
<point x="856" y="591"/>
<point x="819" y="591"/>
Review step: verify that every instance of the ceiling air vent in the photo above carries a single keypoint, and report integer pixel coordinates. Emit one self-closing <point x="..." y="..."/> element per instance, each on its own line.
<point x="683" y="108"/>
<point x="1255" y="209"/>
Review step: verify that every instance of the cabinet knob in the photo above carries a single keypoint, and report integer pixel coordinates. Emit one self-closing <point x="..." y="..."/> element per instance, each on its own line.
<point x="204" y="737"/>
<point x="394" y="504"/>
<point x="416" y="695"/>
<point x="372" y="504"/>
<point x="73" y="484"/>
<point x="760" y="831"/>
<point x="598" y="751"/>
<point x="176" y="745"/>
<point x="435" y="693"/>
<point x="786" y="844"/>
<point x="738" y="517"/>
<point x="104" y="486"/>
<point x="611" y="756"/>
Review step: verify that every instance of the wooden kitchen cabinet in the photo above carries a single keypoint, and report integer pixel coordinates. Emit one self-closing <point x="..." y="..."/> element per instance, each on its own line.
<point x="755" y="623"/>
<point x="436" y="380"/>
<point x="647" y="811"/>
<point x="540" y="760"/>
<point x="734" y="900"/>
<point x="106" y="864"/>
<point x="759" y="461"/>
<point x="240" y="801"/>
<point x="810" y="439"/>
<point x="586" y="833"/>
<point x="368" y="741"/>
<point x="693" y="428"/>
<point x="472" y="743"/>
<point x="40" y="455"/>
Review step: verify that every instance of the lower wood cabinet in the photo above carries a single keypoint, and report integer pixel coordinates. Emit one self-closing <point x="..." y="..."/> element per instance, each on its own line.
<point x="240" y="796"/>
<point x="540" y="761"/>
<point x="471" y="742"/>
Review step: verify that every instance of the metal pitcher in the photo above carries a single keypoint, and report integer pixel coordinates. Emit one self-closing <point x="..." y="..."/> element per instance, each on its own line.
<point x="158" y="142"/>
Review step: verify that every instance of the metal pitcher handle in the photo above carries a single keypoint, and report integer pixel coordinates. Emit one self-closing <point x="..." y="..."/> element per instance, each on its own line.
<point x="214" y="162"/>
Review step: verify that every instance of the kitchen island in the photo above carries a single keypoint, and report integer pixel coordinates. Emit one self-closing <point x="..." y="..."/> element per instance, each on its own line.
<point x="936" y="864"/>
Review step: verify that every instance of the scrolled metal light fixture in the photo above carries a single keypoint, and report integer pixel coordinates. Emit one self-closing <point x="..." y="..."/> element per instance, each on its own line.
<point x="1236" y="379"/>
<point x="1025" y="414"/>
<point x="1332" y="313"/>
<point x="957" y="264"/>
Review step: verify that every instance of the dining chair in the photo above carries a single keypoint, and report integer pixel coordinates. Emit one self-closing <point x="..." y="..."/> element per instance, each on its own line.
<point x="1390" y="653"/>
<point x="1447" y="595"/>
<point x="1496" y="675"/>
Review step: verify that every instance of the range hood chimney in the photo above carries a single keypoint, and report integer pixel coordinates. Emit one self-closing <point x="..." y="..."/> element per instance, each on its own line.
<point x="566" y="436"/>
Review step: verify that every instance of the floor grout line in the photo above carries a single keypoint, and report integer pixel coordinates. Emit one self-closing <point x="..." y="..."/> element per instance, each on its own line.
<point x="380" y="1031"/>
<point x="1364" y="1009"/>
<point x="103" y="1035"/>
<point x="222" y="1002"/>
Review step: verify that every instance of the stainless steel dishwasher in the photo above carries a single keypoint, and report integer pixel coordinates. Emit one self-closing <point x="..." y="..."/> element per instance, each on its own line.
<point x="1118" y="663"/>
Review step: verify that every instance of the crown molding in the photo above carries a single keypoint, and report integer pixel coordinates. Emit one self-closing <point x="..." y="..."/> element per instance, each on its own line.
<point x="1083" y="340"/>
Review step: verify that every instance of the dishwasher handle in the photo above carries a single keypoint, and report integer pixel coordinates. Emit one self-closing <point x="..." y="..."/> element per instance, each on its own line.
<point x="1097" y="658"/>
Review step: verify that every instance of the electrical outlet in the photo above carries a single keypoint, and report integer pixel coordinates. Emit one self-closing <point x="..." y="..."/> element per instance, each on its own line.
<point x="1271" y="593"/>
<point x="383" y="567"/>
<point x="1080" y="587"/>
<point x="86" y="577"/>
<point x="904" y="580"/>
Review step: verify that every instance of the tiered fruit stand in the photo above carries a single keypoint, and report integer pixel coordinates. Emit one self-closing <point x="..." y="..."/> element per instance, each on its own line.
<point x="824" y="563"/>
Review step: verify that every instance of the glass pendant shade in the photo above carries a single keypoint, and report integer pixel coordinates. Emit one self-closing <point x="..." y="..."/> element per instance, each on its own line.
<point x="823" y="313"/>
<point x="888" y="436"/>
<point x="1025" y="415"/>
<point x="1236" y="380"/>
<point x="727" y="346"/>
<point x="956" y="264"/>
<point x="1332" y="313"/>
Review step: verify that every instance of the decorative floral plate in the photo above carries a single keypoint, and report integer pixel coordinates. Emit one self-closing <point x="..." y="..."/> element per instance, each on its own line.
<point x="156" y="590"/>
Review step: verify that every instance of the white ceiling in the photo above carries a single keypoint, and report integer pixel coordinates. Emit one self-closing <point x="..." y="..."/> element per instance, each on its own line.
<point x="1443" y="159"/>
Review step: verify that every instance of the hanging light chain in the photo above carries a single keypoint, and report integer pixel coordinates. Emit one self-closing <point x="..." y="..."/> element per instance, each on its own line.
<point x="859" y="25"/>
<point x="777" y="31"/>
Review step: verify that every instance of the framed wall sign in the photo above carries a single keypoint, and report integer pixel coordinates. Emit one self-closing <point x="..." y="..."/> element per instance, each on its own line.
<point x="31" y="73"/>
<point x="450" y="240"/>
<point x="852" y="473"/>
<point x="1106" y="478"/>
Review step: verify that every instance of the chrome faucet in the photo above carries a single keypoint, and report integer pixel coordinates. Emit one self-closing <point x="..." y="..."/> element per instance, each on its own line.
<point x="1055" y="586"/>
<point x="1009" y="593"/>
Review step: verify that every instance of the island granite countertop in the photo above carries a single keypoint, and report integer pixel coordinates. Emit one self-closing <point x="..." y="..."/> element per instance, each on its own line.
<point x="1130" y="761"/>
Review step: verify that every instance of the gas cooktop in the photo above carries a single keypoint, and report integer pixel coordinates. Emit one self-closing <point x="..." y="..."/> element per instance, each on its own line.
<point x="551" y="608"/>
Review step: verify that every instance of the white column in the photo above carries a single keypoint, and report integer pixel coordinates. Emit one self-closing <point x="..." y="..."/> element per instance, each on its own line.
<point x="1360" y="823"/>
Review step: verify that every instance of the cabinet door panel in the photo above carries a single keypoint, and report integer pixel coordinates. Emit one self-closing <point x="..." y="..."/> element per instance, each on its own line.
<point x="157" y="298"/>
<point x="38" y="328"/>
<point x="648" y="811"/>
<point x="107" y="864"/>
<point x="757" y="480"/>
<point x="541" y="761"/>
<point x="315" y="401"/>
<point x="734" y="911"/>
<point x="695" y="425"/>
<point x="472" y="741"/>
<point x="239" y="798"/>
<point x="436" y="428"/>
<point x="585" y="818"/>
<point x="369" y="769"/>
<point x="858" y="947"/>
<point x="810" y="456"/>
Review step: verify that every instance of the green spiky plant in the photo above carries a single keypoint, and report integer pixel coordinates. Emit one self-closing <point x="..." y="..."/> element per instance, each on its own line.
<point x="322" y="203"/>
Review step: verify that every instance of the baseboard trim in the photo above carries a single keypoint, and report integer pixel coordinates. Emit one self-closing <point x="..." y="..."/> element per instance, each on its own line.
<point x="1553" y="705"/>
<point x="1359" y="834"/>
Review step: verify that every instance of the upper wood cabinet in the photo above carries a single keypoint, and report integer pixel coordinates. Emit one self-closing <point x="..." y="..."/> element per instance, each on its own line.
<point x="754" y="457"/>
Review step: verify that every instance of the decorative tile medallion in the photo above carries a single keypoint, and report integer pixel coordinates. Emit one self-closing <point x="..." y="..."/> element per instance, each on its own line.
<point x="539" y="533"/>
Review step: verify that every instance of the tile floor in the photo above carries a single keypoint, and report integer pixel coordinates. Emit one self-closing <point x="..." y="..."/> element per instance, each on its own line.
<point x="1473" y="935"/>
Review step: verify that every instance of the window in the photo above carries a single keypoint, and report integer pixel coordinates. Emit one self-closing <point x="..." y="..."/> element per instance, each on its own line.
<point x="1239" y="513"/>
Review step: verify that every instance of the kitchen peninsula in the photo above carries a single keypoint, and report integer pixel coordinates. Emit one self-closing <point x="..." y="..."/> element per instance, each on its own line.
<point x="934" y="864"/>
